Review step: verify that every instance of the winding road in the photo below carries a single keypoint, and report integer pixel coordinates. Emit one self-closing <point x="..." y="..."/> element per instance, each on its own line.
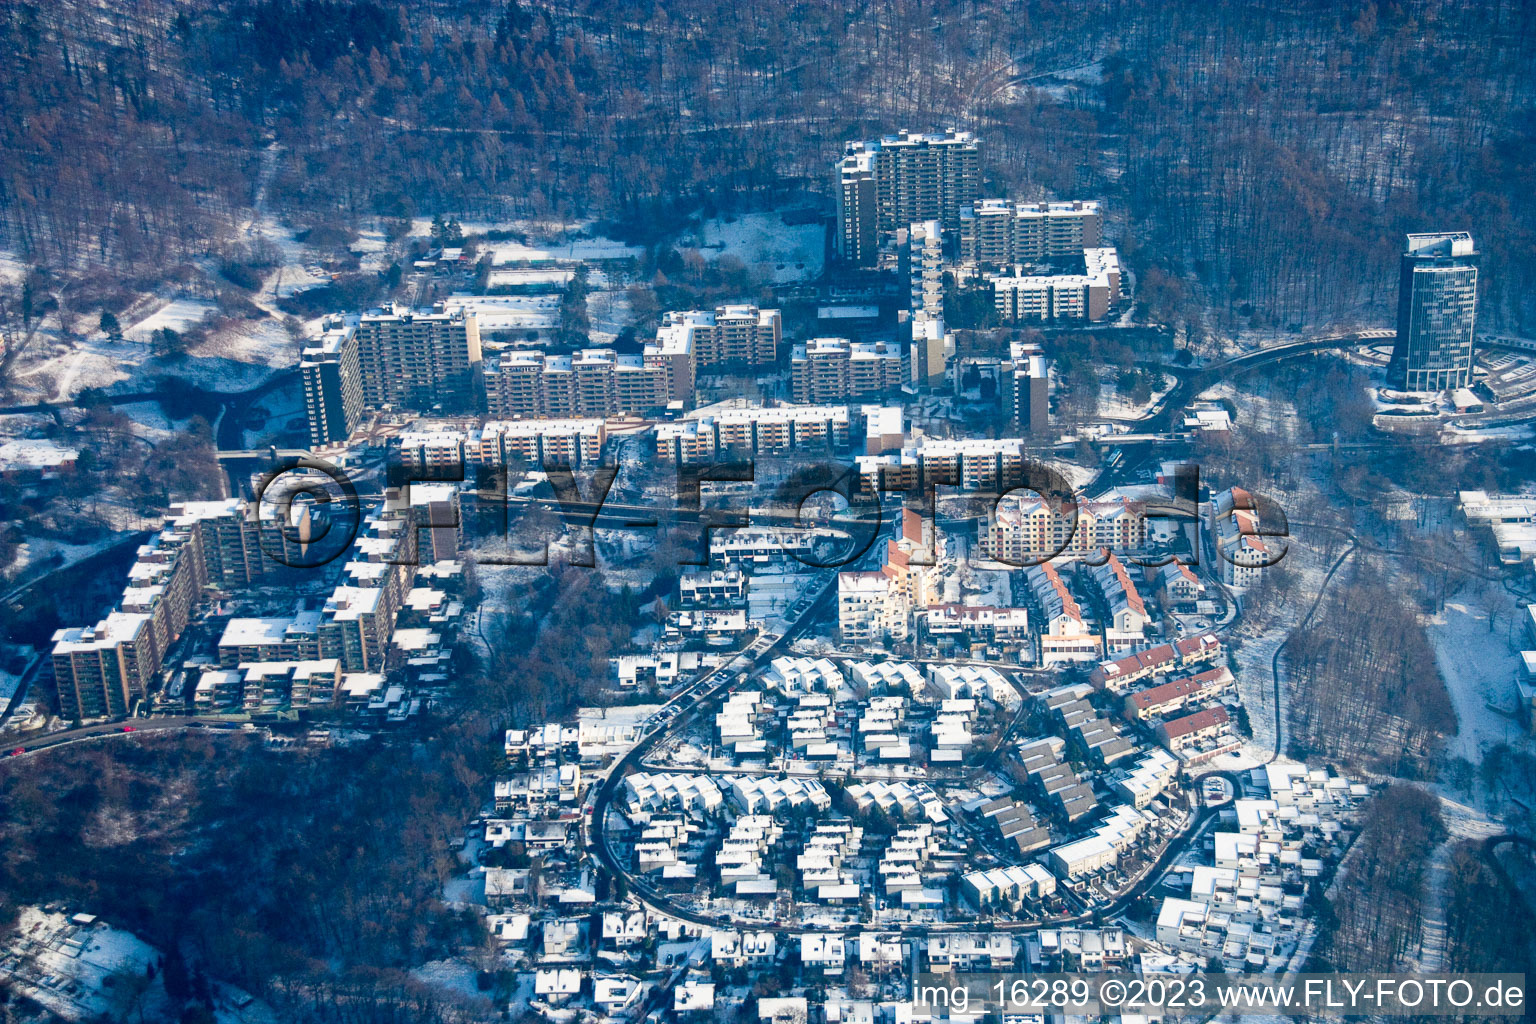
<point x="713" y="685"/>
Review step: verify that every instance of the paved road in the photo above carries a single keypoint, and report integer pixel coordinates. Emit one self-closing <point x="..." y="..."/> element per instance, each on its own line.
<point x="232" y="401"/>
<point x="1274" y="662"/>
<point x="713" y="685"/>
<point x="717" y="682"/>
<point x="1165" y="414"/>
<point x="29" y="744"/>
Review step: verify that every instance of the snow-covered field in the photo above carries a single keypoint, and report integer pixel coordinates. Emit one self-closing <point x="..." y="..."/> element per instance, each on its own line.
<point x="65" y="963"/>
<point x="178" y="315"/>
<point x="454" y="976"/>
<point x="12" y="267"/>
<point x="522" y="277"/>
<point x="571" y="247"/>
<point x="513" y="312"/>
<point x="38" y="552"/>
<point x="782" y="252"/>
<point x="1479" y="666"/>
<point x="610" y="313"/>
<point x="150" y="421"/>
<point x="1115" y="406"/>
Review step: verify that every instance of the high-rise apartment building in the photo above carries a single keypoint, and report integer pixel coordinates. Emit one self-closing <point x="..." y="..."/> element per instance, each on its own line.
<point x="1436" y="313"/>
<point x="102" y="670"/>
<point x="858" y="235"/>
<point x="1000" y="231"/>
<point x="389" y="358"/>
<point x="885" y="184"/>
<point x="333" y="382"/>
<point x="925" y="267"/>
<point x="1031" y="388"/>
<point x="826" y="371"/>
<point x="927" y="357"/>
<point x="417" y="359"/>
<point x="739" y="335"/>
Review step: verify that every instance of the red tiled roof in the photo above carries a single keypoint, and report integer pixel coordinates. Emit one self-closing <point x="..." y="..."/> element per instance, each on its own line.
<point x="1132" y="598"/>
<point x="911" y="526"/>
<point x="1196" y="644"/>
<point x="1178" y="688"/>
<point x="1177" y="727"/>
<point x="1068" y="602"/>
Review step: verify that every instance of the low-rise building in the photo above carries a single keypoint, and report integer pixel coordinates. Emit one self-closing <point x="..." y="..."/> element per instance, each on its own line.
<point x="1006" y="886"/>
<point x="1199" y="736"/>
<point x="1241" y="545"/>
<point x="1171" y="696"/>
<point x="1064" y="635"/>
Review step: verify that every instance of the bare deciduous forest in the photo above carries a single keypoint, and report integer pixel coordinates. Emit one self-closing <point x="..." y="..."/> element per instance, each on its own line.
<point x="1367" y="692"/>
<point x="1481" y="933"/>
<point x="1376" y="914"/>
<point x="1266" y="157"/>
<point x="314" y="879"/>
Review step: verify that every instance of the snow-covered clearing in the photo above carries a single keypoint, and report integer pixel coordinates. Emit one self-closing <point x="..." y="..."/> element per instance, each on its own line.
<point x="178" y="315"/>
<point x="12" y="267"/>
<point x="1254" y="654"/>
<point x="572" y="248"/>
<point x="150" y="421"/>
<point x="523" y="277"/>
<point x="238" y="355"/>
<point x="1462" y="823"/>
<point x="512" y="312"/>
<point x="1115" y="406"/>
<point x="454" y="976"/>
<point x="782" y="252"/>
<point x="1479" y="665"/>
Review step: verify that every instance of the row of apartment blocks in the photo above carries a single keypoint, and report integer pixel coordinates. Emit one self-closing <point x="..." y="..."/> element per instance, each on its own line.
<point x="993" y="465"/>
<point x="389" y="358"/>
<point x="574" y="443"/>
<point x="1025" y="527"/>
<point x="356" y="622"/>
<point x="102" y="670"/>
<point x="1033" y="298"/>
<point x="825" y="370"/>
<point x="592" y="382"/>
<point x="1002" y="232"/>
<point x="426" y="360"/>
<point x="970" y="463"/>
<point x="601" y="382"/>
<point x="769" y="430"/>
<point x="886" y="184"/>
<point x="344" y="650"/>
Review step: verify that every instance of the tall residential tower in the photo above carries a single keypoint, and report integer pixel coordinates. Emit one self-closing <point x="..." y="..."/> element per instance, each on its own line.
<point x="888" y="183"/>
<point x="1436" y="313"/>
